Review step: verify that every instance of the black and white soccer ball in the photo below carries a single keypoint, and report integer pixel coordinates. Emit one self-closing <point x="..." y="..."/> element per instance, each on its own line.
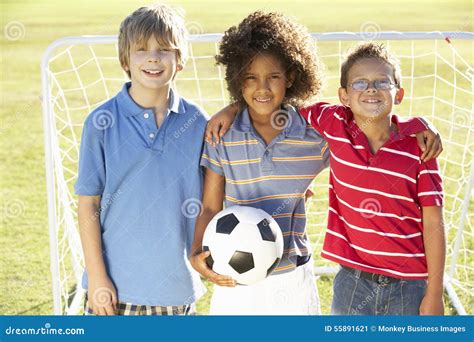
<point x="245" y="243"/>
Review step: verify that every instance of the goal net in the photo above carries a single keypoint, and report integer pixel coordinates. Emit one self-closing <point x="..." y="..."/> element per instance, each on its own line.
<point x="80" y="73"/>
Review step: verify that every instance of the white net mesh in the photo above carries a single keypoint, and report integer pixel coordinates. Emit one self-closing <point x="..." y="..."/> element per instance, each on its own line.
<point x="80" y="74"/>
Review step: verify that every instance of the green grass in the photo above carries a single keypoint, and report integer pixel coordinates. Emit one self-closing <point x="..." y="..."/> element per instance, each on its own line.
<point x="25" y="285"/>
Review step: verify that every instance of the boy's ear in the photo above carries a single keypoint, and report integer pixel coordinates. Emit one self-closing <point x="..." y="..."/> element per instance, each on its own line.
<point x="179" y="67"/>
<point x="343" y="97"/>
<point x="399" y="96"/>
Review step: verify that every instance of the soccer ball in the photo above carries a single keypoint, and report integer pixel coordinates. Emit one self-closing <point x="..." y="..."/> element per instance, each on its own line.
<point x="245" y="243"/>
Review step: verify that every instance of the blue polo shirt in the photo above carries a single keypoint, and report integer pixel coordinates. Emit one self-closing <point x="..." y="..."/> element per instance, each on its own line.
<point x="271" y="177"/>
<point x="151" y="184"/>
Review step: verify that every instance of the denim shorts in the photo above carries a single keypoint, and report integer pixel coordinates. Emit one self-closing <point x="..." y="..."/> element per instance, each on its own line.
<point x="356" y="295"/>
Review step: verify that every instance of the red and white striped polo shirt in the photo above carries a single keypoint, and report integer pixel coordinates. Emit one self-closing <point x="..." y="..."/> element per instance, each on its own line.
<point x="375" y="218"/>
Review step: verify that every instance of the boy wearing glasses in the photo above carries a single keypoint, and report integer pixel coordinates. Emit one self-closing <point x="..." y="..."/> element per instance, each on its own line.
<point x="385" y="222"/>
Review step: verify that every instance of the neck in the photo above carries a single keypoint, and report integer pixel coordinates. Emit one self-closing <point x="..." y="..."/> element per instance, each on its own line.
<point x="375" y="129"/>
<point x="259" y="119"/>
<point x="147" y="98"/>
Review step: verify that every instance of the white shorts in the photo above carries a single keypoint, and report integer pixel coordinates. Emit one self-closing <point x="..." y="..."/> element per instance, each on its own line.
<point x="291" y="293"/>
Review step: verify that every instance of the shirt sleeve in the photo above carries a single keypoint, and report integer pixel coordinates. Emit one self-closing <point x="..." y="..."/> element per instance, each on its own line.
<point x="91" y="173"/>
<point x="324" y="116"/>
<point x="326" y="154"/>
<point x="430" y="187"/>
<point x="211" y="160"/>
<point x="413" y="125"/>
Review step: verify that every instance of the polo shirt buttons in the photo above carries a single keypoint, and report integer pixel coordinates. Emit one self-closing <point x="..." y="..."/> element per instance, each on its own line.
<point x="146" y="115"/>
<point x="151" y="135"/>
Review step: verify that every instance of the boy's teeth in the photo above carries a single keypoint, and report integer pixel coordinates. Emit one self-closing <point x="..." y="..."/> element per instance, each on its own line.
<point x="262" y="99"/>
<point x="154" y="72"/>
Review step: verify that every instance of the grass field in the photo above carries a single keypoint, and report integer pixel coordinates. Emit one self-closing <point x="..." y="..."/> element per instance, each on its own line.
<point x="25" y="281"/>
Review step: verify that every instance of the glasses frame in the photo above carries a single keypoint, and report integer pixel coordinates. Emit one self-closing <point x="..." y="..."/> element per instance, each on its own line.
<point x="374" y="84"/>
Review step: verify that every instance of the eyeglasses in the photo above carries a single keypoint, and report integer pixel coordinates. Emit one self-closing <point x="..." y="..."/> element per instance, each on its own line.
<point x="362" y="85"/>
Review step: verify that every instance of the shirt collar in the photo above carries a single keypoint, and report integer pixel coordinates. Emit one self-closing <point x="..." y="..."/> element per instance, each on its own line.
<point x="296" y="127"/>
<point x="131" y="108"/>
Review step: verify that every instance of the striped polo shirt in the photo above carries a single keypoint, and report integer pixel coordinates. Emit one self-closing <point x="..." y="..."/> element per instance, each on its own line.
<point x="271" y="177"/>
<point x="375" y="200"/>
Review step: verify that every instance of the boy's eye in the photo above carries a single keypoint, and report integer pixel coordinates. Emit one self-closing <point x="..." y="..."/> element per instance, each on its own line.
<point x="360" y="85"/>
<point x="275" y="77"/>
<point x="383" y="84"/>
<point x="250" y="77"/>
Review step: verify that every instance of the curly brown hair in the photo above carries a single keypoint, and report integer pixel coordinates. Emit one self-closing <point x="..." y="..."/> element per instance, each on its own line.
<point x="370" y="50"/>
<point x="278" y="35"/>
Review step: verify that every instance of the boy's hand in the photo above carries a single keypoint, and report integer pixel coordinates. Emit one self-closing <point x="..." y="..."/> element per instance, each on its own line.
<point x="198" y="261"/>
<point x="219" y="124"/>
<point x="430" y="143"/>
<point x="432" y="305"/>
<point x="308" y="194"/>
<point x="102" y="296"/>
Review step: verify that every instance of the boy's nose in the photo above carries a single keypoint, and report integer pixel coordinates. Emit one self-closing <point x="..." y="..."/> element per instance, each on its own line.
<point x="371" y="88"/>
<point x="154" y="56"/>
<point x="263" y="84"/>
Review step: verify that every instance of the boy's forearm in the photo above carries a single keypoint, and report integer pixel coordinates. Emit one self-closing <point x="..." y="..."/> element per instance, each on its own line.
<point x="201" y="223"/>
<point x="435" y="251"/>
<point x="229" y="111"/>
<point x="91" y="237"/>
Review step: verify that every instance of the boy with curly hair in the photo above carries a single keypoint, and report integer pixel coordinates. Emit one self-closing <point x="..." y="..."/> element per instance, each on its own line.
<point x="137" y="173"/>
<point x="267" y="160"/>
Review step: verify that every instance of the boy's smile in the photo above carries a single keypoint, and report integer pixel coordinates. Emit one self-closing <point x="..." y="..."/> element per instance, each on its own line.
<point x="264" y="85"/>
<point x="371" y="102"/>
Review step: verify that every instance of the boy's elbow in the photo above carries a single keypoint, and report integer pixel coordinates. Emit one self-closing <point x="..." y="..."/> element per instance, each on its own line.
<point x="88" y="204"/>
<point x="209" y="212"/>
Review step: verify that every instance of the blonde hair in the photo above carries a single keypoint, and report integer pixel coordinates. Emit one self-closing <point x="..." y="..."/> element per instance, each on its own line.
<point x="159" y="21"/>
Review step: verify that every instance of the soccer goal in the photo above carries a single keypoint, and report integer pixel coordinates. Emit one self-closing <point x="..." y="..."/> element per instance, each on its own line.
<point x="80" y="73"/>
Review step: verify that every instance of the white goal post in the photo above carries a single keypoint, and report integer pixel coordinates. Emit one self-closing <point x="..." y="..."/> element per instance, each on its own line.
<point x="80" y="73"/>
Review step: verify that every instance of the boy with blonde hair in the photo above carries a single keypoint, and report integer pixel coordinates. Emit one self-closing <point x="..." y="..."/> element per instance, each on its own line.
<point x="139" y="178"/>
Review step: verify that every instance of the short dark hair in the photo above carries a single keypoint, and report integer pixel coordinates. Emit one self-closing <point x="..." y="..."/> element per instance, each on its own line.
<point x="279" y="36"/>
<point x="370" y="50"/>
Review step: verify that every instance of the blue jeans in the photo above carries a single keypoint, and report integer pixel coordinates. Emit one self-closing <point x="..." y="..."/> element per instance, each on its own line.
<point x="354" y="295"/>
